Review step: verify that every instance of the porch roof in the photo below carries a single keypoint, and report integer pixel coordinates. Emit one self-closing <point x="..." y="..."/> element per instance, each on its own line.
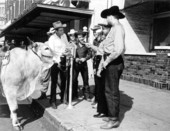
<point x="41" y="16"/>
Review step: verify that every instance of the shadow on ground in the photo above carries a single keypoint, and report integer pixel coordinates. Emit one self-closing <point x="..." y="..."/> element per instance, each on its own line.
<point x="25" y="112"/>
<point x="126" y="102"/>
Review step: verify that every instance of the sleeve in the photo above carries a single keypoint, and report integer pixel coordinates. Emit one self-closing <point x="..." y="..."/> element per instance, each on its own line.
<point x="89" y="54"/>
<point x="118" y="45"/>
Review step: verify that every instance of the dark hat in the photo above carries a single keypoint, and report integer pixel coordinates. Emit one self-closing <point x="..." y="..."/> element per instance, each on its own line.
<point x="58" y="24"/>
<point x="96" y="27"/>
<point x="114" y="10"/>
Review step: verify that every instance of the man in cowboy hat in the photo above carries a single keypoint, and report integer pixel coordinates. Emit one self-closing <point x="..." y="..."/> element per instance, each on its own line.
<point x="80" y="66"/>
<point x="113" y="48"/>
<point x="58" y="45"/>
<point x="72" y="38"/>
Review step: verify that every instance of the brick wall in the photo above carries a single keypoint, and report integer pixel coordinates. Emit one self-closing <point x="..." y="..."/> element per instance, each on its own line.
<point x="152" y="69"/>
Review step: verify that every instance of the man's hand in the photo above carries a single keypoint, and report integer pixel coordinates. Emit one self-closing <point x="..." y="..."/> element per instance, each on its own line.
<point x="105" y="64"/>
<point x="77" y="60"/>
<point x="88" y="45"/>
<point x="82" y="59"/>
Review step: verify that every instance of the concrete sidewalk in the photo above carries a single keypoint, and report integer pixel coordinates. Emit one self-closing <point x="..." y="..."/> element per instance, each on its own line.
<point x="143" y="108"/>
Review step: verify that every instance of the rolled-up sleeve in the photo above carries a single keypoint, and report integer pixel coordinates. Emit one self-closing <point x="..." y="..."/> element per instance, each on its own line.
<point x="118" y="44"/>
<point x="89" y="54"/>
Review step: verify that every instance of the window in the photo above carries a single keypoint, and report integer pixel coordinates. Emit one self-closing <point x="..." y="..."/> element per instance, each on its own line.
<point x="161" y="23"/>
<point x="162" y="31"/>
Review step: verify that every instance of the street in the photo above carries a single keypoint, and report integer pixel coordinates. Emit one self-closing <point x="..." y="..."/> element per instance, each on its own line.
<point x="26" y="116"/>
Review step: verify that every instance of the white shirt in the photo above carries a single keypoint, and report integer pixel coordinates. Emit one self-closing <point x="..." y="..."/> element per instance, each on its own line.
<point x="58" y="46"/>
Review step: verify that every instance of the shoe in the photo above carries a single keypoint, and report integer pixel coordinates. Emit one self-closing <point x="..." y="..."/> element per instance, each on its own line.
<point x="107" y="119"/>
<point x="111" y="124"/>
<point x="53" y="105"/>
<point x="99" y="115"/>
<point x="87" y="99"/>
<point x="94" y="106"/>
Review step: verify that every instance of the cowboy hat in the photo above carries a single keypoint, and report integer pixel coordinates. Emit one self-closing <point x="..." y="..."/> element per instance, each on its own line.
<point x="51" y="31"/>
<point x="58" y="24"/>
<point x="114" y="10"/>
<point x="85" y="29"/>
<point x="96" y="27"/>
<point x="72" y="31"/>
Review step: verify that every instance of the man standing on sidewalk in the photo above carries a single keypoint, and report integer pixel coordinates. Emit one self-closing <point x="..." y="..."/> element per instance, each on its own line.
<point x="113" y="47"/>
<point x="58" y="46"/>
<point x="80" y="66"/>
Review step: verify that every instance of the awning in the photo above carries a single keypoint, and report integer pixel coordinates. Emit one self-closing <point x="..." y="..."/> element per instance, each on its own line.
<point x="41" y="16"/>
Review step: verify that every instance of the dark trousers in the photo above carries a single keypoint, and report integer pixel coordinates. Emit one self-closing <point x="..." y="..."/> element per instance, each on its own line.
<point x="101" y="98"/>
<point x="112" y="75"/>
<point x="83" y="69"/>
<point x="97" y="80"/>
<point x="55" y="72"/>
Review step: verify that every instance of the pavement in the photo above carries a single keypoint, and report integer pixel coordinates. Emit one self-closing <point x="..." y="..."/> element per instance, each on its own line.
<point x="143" y="108"/>
<point x="25" y="115"/>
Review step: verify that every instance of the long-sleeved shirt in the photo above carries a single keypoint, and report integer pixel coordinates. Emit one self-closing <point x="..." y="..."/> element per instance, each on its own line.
<point x="114" y="44"/>
<point x="58" y="46"/>
<point x="83" y="52"/>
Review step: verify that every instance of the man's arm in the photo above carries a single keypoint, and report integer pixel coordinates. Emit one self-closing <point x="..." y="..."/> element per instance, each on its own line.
<point x="89" y="54"/>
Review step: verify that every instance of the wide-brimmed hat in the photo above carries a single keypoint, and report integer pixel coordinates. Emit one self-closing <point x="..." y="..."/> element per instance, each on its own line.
<point x="114" y="10"/>
<point x="96" y="27"/>
<point x="72" y="31"/>
<point x="58" y="24"/>
<point x="51" y="31"/>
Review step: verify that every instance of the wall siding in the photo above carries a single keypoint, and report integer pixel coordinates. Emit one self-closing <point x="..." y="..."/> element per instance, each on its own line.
<point x="140" y="19"/>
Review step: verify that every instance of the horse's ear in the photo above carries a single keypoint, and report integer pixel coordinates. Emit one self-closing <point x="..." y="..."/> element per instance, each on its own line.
<point x="31" y="43"/>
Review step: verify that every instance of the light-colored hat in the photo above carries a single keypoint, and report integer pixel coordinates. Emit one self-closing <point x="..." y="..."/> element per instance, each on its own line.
<point x="58" y="24"/>
<point x="105" y="24"/>
<point x="96" y="27"/>
<point x="72" y="31"/>
<point x="51" y="31"/>
<point x="85" y="29"/>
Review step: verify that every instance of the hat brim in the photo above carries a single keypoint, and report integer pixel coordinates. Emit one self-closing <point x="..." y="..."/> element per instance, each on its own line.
<point x="107" y="12"/>
<point x="80" y="33"/>
<point x="95" y="28"/>
<point x="105" y="25"/>
<point x="62" y="26"/>
<point x="72" y="33"/>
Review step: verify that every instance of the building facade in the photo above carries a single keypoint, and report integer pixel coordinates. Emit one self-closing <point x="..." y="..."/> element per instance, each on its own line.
<point x="146" y="27"/>
<point x="2" y="12"/>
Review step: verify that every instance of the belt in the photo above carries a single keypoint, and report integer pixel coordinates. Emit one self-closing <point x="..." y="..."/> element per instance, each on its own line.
<point x="116" y="61"/>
